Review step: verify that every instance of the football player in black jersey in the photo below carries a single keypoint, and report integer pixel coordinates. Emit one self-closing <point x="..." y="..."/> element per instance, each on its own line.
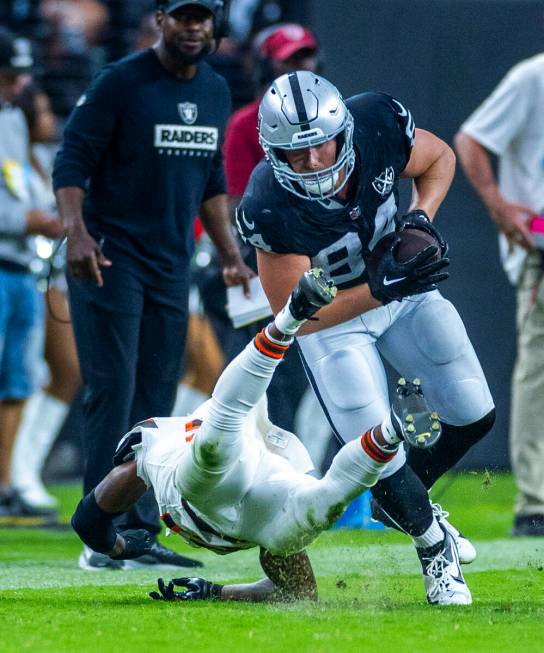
<point x="325" y="195"/>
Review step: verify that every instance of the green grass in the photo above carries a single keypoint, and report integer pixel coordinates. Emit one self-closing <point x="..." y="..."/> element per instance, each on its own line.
<point x="371" y="594"/>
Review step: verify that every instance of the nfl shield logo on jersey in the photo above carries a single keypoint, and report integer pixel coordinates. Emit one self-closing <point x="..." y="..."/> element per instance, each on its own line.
<point x="383" y="184"/>
<point x="188" y="112"/>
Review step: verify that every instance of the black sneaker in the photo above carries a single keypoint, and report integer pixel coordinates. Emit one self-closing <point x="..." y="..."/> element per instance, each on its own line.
<point x="159" y="557"/>
<point x="442" y="575"/>
<point x="15" y="511"/>
<point x="528" y="525"/>
<point x="412" y="418"/>
<point x="313" y="292"/>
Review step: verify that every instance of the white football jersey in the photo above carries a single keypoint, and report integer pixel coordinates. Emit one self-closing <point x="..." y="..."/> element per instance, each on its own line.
<point x="212" y="520"/>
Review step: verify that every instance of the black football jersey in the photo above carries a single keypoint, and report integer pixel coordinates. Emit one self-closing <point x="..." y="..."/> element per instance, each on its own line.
<point x="336" y="236"/>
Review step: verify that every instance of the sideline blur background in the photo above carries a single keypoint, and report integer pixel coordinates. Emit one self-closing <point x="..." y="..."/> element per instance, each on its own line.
<point x="440" y="57"/>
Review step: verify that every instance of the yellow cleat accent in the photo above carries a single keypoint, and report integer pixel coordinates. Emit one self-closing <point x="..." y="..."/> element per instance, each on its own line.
<point x="409" y="418"/>
<point x="416" y="381"/>
<point x="434" y="415"/>
<point x="435" y="426"/>
<point x="401" y="381"/>
<point x="410" y="428"/>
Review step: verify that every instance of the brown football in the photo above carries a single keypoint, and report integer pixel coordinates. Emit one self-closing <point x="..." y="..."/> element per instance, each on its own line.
<point x="412" y="241"/>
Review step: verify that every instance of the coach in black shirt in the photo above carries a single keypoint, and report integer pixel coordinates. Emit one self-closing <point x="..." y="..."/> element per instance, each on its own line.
<point x="140" y="159"/>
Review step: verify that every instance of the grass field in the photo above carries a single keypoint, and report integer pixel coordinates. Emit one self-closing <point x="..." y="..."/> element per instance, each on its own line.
<point x="371" y="593"/>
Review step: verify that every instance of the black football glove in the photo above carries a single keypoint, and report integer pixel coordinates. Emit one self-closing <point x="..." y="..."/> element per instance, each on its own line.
<point x="138" y="542"/>
<point x="197" y="589"/>
<point x="418" y="219"/>
<point x="392" y="281"/>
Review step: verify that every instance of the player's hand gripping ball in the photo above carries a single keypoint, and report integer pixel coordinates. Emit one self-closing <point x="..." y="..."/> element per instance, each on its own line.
<point x="406" y="262"/>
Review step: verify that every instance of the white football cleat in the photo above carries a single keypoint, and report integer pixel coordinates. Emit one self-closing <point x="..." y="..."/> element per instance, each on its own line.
<point x="90" y="560"/>
<point x="442" y="575"/>
<point x="465" y="548"/>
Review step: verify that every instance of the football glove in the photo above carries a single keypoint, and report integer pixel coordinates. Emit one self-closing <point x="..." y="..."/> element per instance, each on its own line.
<point x="418" y="219"/>
<point x="138" y="542"/>
<point x="392" y="280"/>
<point x="197" y="589"/>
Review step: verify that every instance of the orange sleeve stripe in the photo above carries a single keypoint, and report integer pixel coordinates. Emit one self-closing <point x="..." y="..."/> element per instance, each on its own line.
<point x="193" y="425"/>
<point x="372" y="450"/>
<point x="269" y="348"/>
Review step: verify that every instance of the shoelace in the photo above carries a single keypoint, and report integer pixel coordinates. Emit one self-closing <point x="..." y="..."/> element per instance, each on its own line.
<point x="437" y="570"/>
<point x="439" y="512"/>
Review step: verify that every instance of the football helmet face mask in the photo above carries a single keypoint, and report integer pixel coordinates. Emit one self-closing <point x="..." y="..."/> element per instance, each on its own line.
<point x="301" y="110"/>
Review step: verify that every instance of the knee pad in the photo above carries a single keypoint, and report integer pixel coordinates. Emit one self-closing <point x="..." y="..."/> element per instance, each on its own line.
<point x="440" y="340"/>
<point x="348" y="379"/>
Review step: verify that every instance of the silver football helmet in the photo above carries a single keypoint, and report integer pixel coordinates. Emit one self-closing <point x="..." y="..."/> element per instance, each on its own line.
<point x="300" y="110"/>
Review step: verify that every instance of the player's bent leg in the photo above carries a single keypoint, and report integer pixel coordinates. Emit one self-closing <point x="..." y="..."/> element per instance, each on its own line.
<point x="316" y="505"/>
<point x="247" y="377"/>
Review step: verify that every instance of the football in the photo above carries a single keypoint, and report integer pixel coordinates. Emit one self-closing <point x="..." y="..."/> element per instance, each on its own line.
<point x="412" y="241"/>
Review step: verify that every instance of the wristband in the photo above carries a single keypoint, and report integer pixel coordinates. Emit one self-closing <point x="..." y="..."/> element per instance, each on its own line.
<point x="215" y="591"/>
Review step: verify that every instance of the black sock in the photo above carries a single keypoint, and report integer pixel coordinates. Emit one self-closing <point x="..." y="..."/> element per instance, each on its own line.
<point x="405" y="501"/>
<point x="430" y="464"/>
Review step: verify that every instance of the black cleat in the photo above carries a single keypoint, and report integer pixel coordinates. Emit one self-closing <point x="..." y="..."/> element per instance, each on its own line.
<point x="313" y="292"/>
<point x="412" y="418"/>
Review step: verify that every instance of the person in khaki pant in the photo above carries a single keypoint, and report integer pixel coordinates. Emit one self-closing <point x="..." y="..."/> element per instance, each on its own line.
<point x="510" y="125"/>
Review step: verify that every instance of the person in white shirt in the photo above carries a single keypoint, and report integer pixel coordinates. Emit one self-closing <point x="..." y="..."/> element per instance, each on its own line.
<point x="510" y="125"/>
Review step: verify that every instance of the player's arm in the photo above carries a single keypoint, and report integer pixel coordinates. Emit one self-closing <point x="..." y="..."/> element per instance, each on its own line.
<point x="280" y="273"/>
<point x="93" y="518"/>
<point x="510" y="217"/>
<point x="431" y="166"/>
<point x="289" y="578"/>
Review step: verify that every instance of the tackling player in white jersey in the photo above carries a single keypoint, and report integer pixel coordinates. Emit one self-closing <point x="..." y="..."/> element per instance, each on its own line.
<point x="226" y="479"/>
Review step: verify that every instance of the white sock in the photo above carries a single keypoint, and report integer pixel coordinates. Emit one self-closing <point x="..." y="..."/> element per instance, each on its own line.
<point x="42" y="419"/>
<point x="188" y="399"/>
<point x="284" y="343"/>
<point x="433" y="535"/>
<point x="388" y="431"/>
<point x="286" y="323"/>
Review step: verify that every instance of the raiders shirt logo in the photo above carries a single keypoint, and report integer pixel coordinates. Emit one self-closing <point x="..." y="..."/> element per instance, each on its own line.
<point x="188" y="112"/>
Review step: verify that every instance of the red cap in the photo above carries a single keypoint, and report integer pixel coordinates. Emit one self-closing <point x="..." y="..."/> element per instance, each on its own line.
<point x="286" y="40"/>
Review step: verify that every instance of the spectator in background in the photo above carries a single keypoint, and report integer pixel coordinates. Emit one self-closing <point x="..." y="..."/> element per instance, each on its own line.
<point x="46" y="410"/>
<point x="142" y="148"/>
<point x="21" y="216"/>
<point x="72" y="49"/>
<point x="148" y="33"/>
<point x="278" y="50"/>
<point x="510" y="125"/>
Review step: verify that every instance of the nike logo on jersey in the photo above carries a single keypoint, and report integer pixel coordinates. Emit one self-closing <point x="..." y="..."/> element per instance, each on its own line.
<point x="390" y="282"/>
<point x="403" y="111"/>
<point x="249" y="225"/>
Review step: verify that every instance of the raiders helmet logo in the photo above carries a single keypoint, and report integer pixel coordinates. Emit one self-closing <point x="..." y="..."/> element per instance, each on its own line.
<point x="383" y="184"/>
<point x="188" y="112"/>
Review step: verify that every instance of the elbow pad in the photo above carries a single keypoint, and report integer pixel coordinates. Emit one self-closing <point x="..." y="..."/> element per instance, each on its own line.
<point x="93" y="525"/>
